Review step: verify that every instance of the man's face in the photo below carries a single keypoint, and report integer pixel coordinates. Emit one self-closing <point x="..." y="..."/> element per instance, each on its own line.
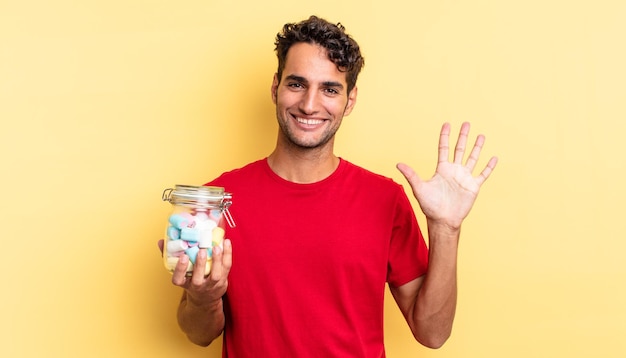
<point x="311" y="97"/>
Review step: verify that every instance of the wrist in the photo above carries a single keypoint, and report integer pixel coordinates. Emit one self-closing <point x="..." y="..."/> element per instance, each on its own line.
<point x="442" y="232"/>
<point x="204" y="304"/>
<point x="444" y="227"/>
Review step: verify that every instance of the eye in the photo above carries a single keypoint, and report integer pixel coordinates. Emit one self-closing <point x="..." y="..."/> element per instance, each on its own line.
<point x="295" y="85"/>
<point x="331" y="91"/>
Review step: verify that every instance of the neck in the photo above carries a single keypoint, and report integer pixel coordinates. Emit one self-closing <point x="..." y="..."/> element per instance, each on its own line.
<point x="303" y="166"/>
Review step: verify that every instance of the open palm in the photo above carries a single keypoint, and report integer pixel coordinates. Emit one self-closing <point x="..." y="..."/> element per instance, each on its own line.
<point x="449" y="195"/>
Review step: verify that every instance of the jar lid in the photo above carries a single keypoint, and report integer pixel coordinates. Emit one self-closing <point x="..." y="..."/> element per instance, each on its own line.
<point x="190" y="193"/>
<point x="200" y="197"/>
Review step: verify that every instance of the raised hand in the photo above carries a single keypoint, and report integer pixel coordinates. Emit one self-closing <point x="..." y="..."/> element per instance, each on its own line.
<point x="449" y="195"/>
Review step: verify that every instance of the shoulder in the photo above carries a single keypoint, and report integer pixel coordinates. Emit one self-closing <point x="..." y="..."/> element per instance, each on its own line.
<point x="367" y="177"/>
<point x="368" y="185"/>
<point x="243" y="174"/>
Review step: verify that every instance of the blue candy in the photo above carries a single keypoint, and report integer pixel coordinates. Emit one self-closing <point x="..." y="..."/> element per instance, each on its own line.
<point x="192" y="252"/>
<point x="173" y="233"/>
<point x="181" y="220"/>
<point x="189" y="234"/>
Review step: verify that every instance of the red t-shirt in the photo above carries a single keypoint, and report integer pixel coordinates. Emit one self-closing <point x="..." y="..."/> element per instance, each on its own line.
<point x="310" y="262"/>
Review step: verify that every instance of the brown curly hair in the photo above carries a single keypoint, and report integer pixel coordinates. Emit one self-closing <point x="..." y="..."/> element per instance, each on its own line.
<point x="342" y="49"/>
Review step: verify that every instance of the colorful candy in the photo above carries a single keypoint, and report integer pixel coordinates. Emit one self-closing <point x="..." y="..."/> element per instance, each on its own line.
<point x="190" y="232"/>
<point x="181" y="220"/>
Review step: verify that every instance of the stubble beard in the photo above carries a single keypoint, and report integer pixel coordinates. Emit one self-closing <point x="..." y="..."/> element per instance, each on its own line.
<point x="294" y="141"/>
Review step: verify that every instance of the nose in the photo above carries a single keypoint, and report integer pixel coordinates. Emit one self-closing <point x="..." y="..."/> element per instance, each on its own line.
<point x="308" y="102"/>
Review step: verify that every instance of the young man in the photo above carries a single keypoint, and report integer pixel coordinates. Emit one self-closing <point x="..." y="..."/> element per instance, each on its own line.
<point x="317" y="239"/>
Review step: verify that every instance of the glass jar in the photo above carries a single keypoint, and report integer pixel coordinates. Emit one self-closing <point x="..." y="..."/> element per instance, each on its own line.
<point x="197" y="221"/>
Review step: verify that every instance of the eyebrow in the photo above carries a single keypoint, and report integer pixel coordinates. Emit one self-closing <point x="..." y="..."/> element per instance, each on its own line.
<point x="305" y="81"/>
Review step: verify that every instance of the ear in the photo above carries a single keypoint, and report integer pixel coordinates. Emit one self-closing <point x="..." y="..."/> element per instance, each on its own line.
<point x="274" y="88"/>
<point x="351" y="101"/>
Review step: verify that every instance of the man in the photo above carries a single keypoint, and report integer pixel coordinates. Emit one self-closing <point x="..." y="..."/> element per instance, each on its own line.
<point x="317" y="239"/>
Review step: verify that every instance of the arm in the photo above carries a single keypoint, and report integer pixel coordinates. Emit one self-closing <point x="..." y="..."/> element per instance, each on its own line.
<point x="429" y="303"/>
<point x="201" y="322"/>
<point x="200" y="312"/>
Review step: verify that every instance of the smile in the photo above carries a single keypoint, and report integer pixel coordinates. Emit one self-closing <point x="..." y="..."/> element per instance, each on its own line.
<point x="309" y="121"/>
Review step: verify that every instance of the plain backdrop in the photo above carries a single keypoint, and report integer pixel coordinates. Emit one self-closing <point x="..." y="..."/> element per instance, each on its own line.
<point x="104" y="104"/>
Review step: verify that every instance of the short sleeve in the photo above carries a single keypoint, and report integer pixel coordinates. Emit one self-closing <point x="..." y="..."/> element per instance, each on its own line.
<point x="408" y="253"/>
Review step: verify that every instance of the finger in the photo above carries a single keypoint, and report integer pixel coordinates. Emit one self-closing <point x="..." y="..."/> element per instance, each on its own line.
<point x="217" y="267"/>
<point x="197" y="276"/>
<point x="459" y="149"/>
<point x="179" y="276"/>
<point x="410" y="175"/>
<point x="475" y="153"/>
<point x="227" y="259"/>
<point x="491" y="165"/>
<point x="444" y="139"/>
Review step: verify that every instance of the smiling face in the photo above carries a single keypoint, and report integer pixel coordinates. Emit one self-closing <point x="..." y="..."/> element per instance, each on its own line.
<point x="311" y="98"/>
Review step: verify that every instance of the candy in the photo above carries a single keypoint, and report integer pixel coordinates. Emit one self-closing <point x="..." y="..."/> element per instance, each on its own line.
<point x="216" y="215"/>
<point x="192" y="252"/>
<point x="171" y="263"/>
<point x="189" y="232"/>
<point x="217" y="236"/>
<point x="176" y="246"/>
<point x="205" y="225"/>
<point x="182" y="220"/>
<point x="175" y="253"/>
<point x="173" y="233"/>
<point x="201" y="216"/>
<point x="205" y="238"/>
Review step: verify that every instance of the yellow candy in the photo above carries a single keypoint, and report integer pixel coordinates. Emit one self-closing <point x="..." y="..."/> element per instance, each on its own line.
<point x="218" y="236"/>
<point x="171" y="263"/>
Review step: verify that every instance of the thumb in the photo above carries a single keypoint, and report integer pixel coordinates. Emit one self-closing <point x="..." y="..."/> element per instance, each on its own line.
<point x="410" y="175"/>
<point x="160" y="243"/>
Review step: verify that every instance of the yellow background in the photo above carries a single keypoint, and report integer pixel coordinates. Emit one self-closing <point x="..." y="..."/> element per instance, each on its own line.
<point x="104" y="104"/>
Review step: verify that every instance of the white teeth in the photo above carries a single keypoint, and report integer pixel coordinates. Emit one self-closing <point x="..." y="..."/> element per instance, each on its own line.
<point x="309" y="121"/>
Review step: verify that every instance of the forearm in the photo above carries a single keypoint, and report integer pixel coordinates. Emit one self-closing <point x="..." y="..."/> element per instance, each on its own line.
<point x="435" y="305"/>
<point x="201" y="322"/>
